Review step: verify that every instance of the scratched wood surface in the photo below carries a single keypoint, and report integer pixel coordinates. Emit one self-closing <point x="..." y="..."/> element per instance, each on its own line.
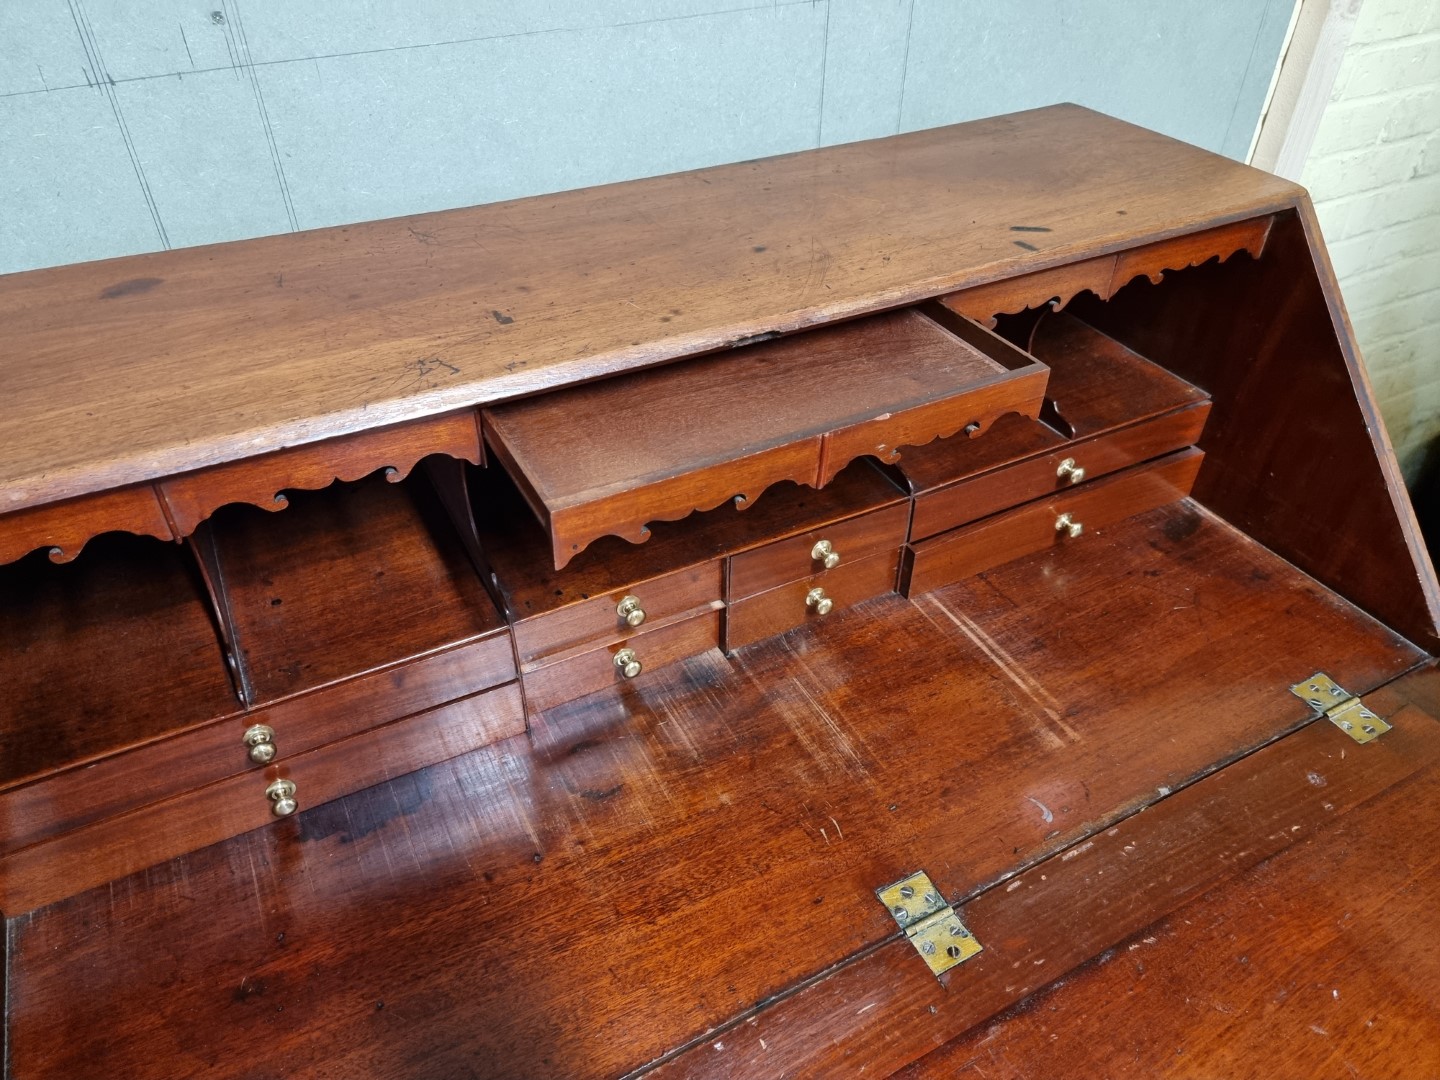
<point x="877" y="1014"/>
<point x="1299" y="461"/>
<point x="650" y="861"/>
<point x="1323" y="962"/>
<point x="135" y="368"/>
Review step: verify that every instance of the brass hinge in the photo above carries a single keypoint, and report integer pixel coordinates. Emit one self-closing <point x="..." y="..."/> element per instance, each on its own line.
<point x="1343" y="709"/>
<point x="929" y="922"/>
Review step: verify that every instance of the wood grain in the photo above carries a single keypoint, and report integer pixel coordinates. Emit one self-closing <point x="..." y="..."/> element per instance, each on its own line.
<point x="1321" y="962"/>
<point x="1303" y="464"/>
<point x="783" y="607"/>
<point x="885" y="1009"/>
<point x="83" y="858"/>
<point x="64" y="528"/>
<point x="551" y="609"/>
<point x="968" y="550"/>
<point x="585" y="670"/>
<point x="356" y="577"/>
<point x="175" y="762"/>
<point x="878" y="532"/>
<point x="134" y="369"/>
<point x="678" y="813"/>
<point x="103" y="653"/>
<point x="262" y="481"/>
<point x="609" y="457"/>
<point x="967" y="500"/>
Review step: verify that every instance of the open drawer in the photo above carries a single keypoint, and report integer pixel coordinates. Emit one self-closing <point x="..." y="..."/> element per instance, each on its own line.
<point x="612" y="456"/>
<point x="1107" y="408"/>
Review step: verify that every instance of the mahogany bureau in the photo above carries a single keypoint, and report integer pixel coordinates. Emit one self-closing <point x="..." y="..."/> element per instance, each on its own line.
<point x="758" y="621"/>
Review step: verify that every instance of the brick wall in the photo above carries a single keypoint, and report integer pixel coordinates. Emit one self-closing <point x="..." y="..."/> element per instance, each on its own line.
<point x="1374" y="173"/>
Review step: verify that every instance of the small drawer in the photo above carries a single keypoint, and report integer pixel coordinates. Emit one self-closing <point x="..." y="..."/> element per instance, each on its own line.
<point x="1000" y="489"/>
<point x="191" y="759"/>
<point x="1038" y="525"/>
<point x="578" y="674"/>
<point x="790" y="605"/>
<point x="598" y="620"/>
<point x="794" y="559"/>
<point x="110" y="849"/>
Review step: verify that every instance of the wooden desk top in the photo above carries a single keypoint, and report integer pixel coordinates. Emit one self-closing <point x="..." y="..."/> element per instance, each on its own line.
<point x="133" y="369"/>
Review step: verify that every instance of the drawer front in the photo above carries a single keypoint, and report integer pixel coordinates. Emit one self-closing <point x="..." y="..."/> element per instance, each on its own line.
<point x="597" y="621"/>
<point x="158" y="770"/>
<point x="784" y="561"/>
<point x="584" y="673"/>
<point x="784" y="608"/>
<point x="110" y="849"/>
<point x="1000" y="489"/>
<point x="975" y="548"/>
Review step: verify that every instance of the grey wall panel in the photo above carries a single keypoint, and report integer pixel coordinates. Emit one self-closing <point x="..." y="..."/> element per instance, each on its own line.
<point x="1174" y="65"/>
<point x="39" y="48"/>
<point x="69" y="189"/>
<point x="203" y="120"/>
<point x="225" y="185"/>
<point x="287" y="30"/>
<point x="867" y="46"/>
<point x="147" y="38"/>
<point x="401" y="131"/>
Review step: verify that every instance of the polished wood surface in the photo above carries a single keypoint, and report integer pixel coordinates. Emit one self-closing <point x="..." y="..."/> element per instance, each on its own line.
<point x="587" y="669"/>
<point x="1300" y="461"/>
<point x="783" y="607"/>
<point x="132" y="369"/>
<point x="677" y="569"/>
<point x="1059" y="285"/>
<point x="609" y="457"/>
<point x="519" y="911"/>
<point x="355" y="577"/>
<point x="1321" y="962"/>
<point x="878" y="532"/>
<point x="111" y="848"/>
<point x="1077" y="904"/>
<point x="1096" y="386"/>
<point x="110" y="650"/>
<point x="178" y="761"/>
<point x="990" y="492"/>
<point x="1036" y="526"/>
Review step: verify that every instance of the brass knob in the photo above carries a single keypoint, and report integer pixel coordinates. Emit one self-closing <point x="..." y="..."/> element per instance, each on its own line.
<point x="824" y="552"/>
<point x="281" y="794"/>
<point x="260" y="738"/>
<point x="1068" y="470"/>
<point x="627" y="663"/>
<point x="630" y="611"/>
<point x="817" y="601"/>
<point x="1068" y="525"/>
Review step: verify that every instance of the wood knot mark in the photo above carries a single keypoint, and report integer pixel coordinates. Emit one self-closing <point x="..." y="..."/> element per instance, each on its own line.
<point x="131" y="288"/>
<point x="600" y="796"/>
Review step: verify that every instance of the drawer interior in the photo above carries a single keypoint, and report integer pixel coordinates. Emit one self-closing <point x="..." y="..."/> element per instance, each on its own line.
<point x="346" y="580"/>
<point x="113" y="649"/>
<point x="613" y="456"/>
<point x="1096" y="386"/>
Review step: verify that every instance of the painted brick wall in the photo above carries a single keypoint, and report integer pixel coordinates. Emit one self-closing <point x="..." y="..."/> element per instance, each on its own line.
<point x="1374" y="173"/>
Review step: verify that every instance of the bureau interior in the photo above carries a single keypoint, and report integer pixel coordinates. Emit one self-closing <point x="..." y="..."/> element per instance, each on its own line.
<point x="115" y="648"/>
<point x="143" y="670"/>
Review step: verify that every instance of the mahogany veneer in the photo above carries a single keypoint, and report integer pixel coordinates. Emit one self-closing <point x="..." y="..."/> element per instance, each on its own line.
<point x="1179" y="501"/>
<point x="609" y="457"/>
